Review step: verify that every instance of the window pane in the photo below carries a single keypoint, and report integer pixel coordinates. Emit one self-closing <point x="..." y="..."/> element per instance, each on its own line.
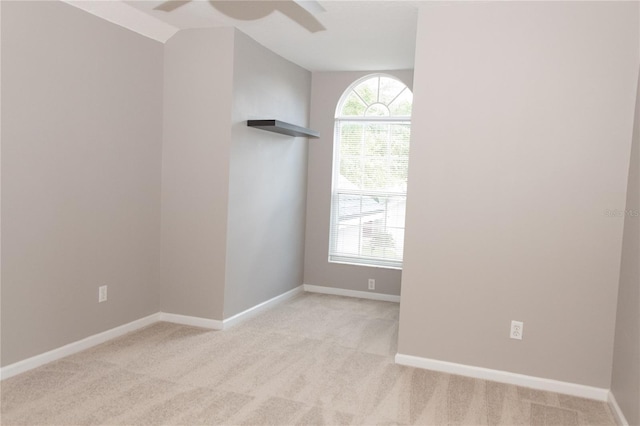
<point x="398" y="173"/>
<point x="401" y="106"/>
<point x="353" y="106"/>
<point x="350" y="173"/>
<point x="375" y="174"/>
<point x="351" y="138"/>
<point x="372" y="227"/>
<point x="376" y="139"/>
<point x="389" y="89"/>
<point x="400" y="134"/>
<point x="368" y="90"/>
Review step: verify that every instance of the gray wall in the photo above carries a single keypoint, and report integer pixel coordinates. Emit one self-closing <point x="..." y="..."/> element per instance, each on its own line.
<point x="0" y="181"/>
<point x="81" y="155"/>
<point x="198" y="71"/>
<point x="625" y="380"/>
<point x="326" y="90"/>
<point x="520" y="144"/>
<point x="267" y="181"/>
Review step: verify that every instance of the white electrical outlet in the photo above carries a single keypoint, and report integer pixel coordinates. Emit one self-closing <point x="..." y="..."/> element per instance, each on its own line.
<point x="516" y="330"/>
<point x="102" y="293"/>
<point x="372" y="284"/>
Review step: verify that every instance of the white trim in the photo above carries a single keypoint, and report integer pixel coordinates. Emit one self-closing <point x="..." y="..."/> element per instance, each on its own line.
<point x="75" y="347"/>
<point x="361" y="261"/>
<point x="259" y="308"/>
<point x="189" y="320"/>
<point x="533" y="382"/>
<point x="351" y="293"/>
<point x="88" y="342"/>
<point x="617" y="411"/>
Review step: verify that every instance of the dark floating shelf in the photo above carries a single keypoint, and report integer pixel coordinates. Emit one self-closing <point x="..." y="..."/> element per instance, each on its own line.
<point x="281" y="127"/>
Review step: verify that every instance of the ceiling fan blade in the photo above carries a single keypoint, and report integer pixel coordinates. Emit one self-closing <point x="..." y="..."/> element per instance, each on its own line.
<point x="301" y="15"/>
<point x="299" y="11"/>
<point x="244" y="10"/>
<point x="171" y="5"/>
<point x="250" y="10"/>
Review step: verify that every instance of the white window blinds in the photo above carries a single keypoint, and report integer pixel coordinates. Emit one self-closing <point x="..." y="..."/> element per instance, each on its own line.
<point x="371" y="157"/>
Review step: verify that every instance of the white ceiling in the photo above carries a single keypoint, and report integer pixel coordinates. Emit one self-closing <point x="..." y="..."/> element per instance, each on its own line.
<point x="359" y="35"/>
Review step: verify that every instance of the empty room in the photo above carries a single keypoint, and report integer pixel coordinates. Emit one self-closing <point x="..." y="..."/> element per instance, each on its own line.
<point x="319" y="212"/>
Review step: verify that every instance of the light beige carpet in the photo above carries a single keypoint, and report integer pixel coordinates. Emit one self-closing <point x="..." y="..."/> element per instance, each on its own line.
<point x="315" y="359"/>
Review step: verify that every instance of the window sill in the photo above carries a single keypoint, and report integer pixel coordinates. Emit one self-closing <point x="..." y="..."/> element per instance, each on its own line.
<point x="365" y="264"/>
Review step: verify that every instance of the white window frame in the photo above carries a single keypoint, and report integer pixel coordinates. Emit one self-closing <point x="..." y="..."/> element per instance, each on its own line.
<point x="359" y="260"/>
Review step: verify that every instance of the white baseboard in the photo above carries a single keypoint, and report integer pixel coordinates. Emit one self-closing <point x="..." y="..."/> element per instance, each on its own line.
<point x="231" y="321"/>
<point x="351" y="293"/>
<point x="189" y="320"/>
<point x="251" y="312"/>
<point x="88" y="342"/>
<point x="75" y="347"/>
<point x="617" y="412"/>
<point x="533" y="382"/>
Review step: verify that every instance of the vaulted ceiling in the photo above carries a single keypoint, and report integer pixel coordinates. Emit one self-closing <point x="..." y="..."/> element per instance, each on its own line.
<point x="357" y="35"/>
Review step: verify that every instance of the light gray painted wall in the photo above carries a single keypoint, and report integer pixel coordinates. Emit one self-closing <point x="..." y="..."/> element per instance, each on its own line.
<point x="625" y="380"/>
<point x="326" y="90"/>
<point x="0" y="180"/>
<point x="81" y="150"/>
<point x="267" y="181"/>
<point x="198" y="70"/>
<point x="520" y="142"/>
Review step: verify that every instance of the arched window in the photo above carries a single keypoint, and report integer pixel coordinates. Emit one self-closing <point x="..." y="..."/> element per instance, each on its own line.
<point x="371" y="158"/>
